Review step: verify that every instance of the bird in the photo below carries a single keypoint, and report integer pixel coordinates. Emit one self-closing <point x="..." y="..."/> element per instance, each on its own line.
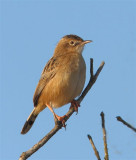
<point x="62" y="79"/>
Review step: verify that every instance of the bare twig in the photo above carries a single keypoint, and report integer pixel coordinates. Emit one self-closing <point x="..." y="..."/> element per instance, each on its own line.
<point x="57" y="127"/>
<point x="104" y="137"/>
<point x="94" y="148"/>
<point x="91" y="68"/>
<point x="91" y="81"/>
<point x="125" y="123"/>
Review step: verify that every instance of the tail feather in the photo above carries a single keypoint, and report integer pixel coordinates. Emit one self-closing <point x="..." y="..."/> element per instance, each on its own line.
<point x="29" y="122"/>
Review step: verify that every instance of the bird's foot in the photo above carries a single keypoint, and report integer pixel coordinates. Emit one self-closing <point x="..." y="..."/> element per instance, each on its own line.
<point x="75" y="105"/>
<point x="61" y="119"/>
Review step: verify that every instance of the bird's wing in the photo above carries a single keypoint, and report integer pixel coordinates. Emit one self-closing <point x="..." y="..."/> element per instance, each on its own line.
<point x="48" y="73"/>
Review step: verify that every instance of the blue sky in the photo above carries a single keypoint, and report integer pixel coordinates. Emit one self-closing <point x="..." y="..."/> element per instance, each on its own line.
<point x="30" y="30"/>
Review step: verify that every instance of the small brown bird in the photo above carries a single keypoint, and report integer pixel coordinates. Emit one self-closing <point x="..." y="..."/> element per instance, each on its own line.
<point x="62" y="79"/>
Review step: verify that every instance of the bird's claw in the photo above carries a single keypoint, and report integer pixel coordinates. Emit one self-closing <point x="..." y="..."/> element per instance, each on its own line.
<point x="75" y="105"/>
<point x="61" y="120"/>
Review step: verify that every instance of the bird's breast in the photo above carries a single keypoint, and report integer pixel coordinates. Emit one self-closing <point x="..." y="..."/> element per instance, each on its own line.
<point x="68" y="82"/>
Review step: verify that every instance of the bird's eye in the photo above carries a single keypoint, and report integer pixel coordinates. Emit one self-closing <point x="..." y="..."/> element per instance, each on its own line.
<point x="72" y="43"/>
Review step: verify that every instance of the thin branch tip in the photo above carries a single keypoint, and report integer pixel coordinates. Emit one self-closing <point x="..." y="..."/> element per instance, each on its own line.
<point x="103" y="63"/>
<point x="126" y="123"/>
<point x="89" y="137"/>
<point x="104" y="137"/>
<point x="102" y="114"/>
<point x="91" y="60"/>
<point x="94" y="147"/>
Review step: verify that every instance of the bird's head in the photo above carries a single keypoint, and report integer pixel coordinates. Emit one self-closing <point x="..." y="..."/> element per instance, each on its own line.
<point x="70" y="44"/>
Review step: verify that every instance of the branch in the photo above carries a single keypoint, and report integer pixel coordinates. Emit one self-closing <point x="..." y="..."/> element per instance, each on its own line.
<point x="58" y="126"/>
<point x="94" y="148"/>
<point x="104" y="137"/>
<point x="125" y="123"/>
<point x="92" y="80"/>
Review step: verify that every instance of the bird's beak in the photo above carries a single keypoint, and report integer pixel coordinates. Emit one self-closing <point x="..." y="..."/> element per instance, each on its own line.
<point x="86" y="41"/>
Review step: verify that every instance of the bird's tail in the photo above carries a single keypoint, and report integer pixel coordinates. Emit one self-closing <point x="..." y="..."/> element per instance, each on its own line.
<point x="29" y="122"/>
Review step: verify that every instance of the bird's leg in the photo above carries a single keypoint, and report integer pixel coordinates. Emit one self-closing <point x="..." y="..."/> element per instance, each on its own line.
<point x="61" y="119"/>
<point x="75" y="104"/>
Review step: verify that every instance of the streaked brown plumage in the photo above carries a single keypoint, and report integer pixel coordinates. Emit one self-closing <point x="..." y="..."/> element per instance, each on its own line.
<point x="62" y="79"/>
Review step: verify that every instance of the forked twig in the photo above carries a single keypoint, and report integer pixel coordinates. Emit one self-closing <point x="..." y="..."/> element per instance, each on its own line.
<point x="57" y="127"/>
